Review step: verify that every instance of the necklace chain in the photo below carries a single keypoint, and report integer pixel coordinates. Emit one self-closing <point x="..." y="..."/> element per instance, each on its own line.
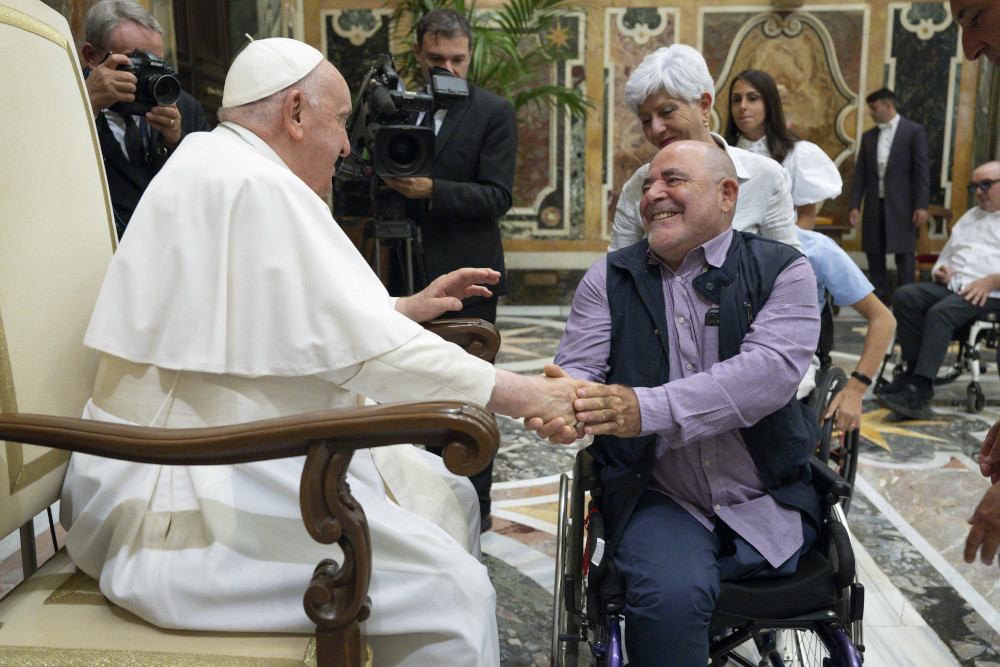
<point x="245" y="140"/>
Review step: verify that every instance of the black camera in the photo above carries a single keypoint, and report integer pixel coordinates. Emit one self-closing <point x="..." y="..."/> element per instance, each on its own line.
<point x="157" y="84"/>
<point x="388" y="136"/>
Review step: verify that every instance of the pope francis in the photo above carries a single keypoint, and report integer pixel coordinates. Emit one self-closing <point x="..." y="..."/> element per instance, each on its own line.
<point x="234" y="297"/>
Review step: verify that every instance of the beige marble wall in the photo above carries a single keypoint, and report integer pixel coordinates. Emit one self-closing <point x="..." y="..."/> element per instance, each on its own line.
<point x="826" y="57"/>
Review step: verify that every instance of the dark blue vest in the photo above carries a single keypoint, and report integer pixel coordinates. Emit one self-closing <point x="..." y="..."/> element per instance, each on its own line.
<point x="779" y="444"/>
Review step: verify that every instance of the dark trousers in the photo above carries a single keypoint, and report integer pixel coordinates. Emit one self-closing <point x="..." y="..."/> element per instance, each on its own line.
<point x="927" y="315"/>
<point x="672" y="568"/>
<point x="482" y="481"/>
<point x="906" y="262"/>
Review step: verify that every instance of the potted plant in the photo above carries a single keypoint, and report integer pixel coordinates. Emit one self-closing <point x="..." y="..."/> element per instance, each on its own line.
<point x="513" y="50"/>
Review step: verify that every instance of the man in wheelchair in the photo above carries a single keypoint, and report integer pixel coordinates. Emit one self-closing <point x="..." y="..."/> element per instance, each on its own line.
<point x="702" y="335"/>
<point x="966" y="285"/>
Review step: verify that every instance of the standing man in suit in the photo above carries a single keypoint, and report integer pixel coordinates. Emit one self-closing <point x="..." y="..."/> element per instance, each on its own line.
<point x="134" y="148"/>
<point x="893" y="176"/>
<point x="459" y="207"/>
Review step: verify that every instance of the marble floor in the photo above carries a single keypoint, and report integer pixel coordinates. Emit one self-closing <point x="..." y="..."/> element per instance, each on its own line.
<point x="917" y="483"/>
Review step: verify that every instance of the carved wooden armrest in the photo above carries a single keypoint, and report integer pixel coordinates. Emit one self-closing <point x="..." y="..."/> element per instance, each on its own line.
<point x="337" y="599"/>
<point x="478" y="337"/>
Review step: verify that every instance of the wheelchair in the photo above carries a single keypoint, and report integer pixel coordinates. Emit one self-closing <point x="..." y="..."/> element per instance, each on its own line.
<point x="836" y="448"/>
<point x="811" y="618"/>
<point x="965" y="354"/>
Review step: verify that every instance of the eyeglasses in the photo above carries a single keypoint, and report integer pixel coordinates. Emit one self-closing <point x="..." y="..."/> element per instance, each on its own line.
<point x="982" y="186"/>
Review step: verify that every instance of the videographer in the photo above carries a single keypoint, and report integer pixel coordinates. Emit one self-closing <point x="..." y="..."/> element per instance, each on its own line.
<point x="135" y="145"/>
<point x="458" y="208"/>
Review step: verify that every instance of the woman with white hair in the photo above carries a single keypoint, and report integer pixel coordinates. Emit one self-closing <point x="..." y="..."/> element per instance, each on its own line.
<point x="671" y="92"/>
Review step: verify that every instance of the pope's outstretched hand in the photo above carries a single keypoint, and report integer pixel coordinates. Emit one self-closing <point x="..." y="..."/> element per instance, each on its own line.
<point x="446" y="292"/>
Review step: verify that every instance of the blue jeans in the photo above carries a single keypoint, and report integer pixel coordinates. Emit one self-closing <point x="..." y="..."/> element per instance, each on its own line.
<point x="672" y="568"/>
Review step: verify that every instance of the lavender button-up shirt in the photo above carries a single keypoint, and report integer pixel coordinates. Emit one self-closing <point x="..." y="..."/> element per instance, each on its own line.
<point x="702" y="462"/>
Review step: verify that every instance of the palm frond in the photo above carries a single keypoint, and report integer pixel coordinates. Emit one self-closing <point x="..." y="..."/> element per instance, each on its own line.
<point x="510" y="48"/>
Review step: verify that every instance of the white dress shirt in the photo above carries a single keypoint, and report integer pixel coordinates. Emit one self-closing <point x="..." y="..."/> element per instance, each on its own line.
<point x="973" y="249"/>
<point x="887" y="131"/>
<point x="814" y="175"/>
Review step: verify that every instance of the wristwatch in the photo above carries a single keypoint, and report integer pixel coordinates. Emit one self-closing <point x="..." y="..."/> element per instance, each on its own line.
<point x="861" y="377"/>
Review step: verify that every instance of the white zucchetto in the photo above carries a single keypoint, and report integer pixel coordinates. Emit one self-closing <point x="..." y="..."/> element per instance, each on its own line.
<point x="266" y="66"/>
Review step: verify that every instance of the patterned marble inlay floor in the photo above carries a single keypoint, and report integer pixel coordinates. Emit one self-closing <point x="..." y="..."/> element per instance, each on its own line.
<point x="917" y="484"/>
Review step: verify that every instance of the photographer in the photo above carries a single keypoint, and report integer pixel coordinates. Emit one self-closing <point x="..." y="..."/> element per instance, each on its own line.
<point x="135" y="147"/>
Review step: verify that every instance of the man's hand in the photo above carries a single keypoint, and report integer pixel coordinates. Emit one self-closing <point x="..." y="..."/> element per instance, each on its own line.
<point x="989" y="454"/>
<point x="919" y="217"/>
<point x="562" y="429"/>
<point x="168" y="121"/>
<point x="943" y="274"/>
<point x="446" y="293"/>
<point x="852" y="217"/>
<point x="847" y="406"/>
<point x="608" y="410"/>
<point x="412" y="188"/>
<point x="978" y="291"/>
<point x="106" y="84"/>
<point x="985" y="532"/>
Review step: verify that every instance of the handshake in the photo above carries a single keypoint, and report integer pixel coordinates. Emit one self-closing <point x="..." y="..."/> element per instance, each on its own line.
<point x="570" y="409"/>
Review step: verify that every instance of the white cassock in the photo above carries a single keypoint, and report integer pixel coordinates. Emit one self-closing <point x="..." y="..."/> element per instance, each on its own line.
<point x="235" y="296"/>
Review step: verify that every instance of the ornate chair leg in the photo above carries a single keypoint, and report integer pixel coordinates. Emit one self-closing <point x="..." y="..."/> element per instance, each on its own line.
<point x="337" y="599"/>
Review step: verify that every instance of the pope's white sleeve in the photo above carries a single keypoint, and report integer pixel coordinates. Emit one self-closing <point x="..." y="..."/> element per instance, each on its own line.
<point x="425" y="368"/>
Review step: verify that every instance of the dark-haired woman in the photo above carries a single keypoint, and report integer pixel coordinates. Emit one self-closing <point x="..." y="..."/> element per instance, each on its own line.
<point x="757" y="124"/>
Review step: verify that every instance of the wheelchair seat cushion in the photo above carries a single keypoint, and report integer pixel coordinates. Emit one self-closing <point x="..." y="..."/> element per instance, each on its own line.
<point x="810" y="589"/>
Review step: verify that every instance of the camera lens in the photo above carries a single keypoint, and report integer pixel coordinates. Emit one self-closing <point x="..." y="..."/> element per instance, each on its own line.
<point x="404" y="150"/>
<point x="164" y="88"/>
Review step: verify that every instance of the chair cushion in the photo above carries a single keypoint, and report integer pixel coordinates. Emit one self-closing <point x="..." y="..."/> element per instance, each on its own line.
<point x="810" y="589"/>
<point x="59" y="617"/>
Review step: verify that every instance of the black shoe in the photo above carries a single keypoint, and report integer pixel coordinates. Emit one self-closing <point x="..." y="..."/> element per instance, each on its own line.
<point x="898" y="384"/>
<point x="909" y="402"/>
<point x="485" y="523"/>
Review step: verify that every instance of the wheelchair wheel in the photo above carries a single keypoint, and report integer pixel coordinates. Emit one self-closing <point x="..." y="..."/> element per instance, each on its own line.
<point x="975" y="400"/>
<point x="565" y="625"/>
<point x="805" y="648"/>
<point x="827" y="386"/>
<point x="954" y="363"/>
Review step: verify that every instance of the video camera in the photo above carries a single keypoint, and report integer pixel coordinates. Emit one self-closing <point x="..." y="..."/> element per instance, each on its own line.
<point x="390" y="139"/>
<point x="386" y="138"/>
<point x="157" y="84"/>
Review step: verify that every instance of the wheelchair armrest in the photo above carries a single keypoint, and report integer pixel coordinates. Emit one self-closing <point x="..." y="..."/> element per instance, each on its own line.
<point x="828" y="483"/>
<point x="478" y="337"/>
<point x="841" y="546"/>
<point x="584" y="473"/>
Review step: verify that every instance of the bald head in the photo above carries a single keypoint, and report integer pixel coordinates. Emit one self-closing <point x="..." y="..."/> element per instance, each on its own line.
<point x="689" y="198"/>
<point x="985" y="186"/>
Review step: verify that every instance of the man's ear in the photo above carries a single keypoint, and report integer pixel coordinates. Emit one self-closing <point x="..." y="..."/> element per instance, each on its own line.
<point x="91" y="55"/>
<point x="291" y="115"/>
<point x="729" y="190"/>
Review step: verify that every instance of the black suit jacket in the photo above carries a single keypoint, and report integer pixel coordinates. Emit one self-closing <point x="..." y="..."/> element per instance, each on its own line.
<point x="473" y="174"/>
<point x="907" y="187"/>
<point x="126" y="182"/>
